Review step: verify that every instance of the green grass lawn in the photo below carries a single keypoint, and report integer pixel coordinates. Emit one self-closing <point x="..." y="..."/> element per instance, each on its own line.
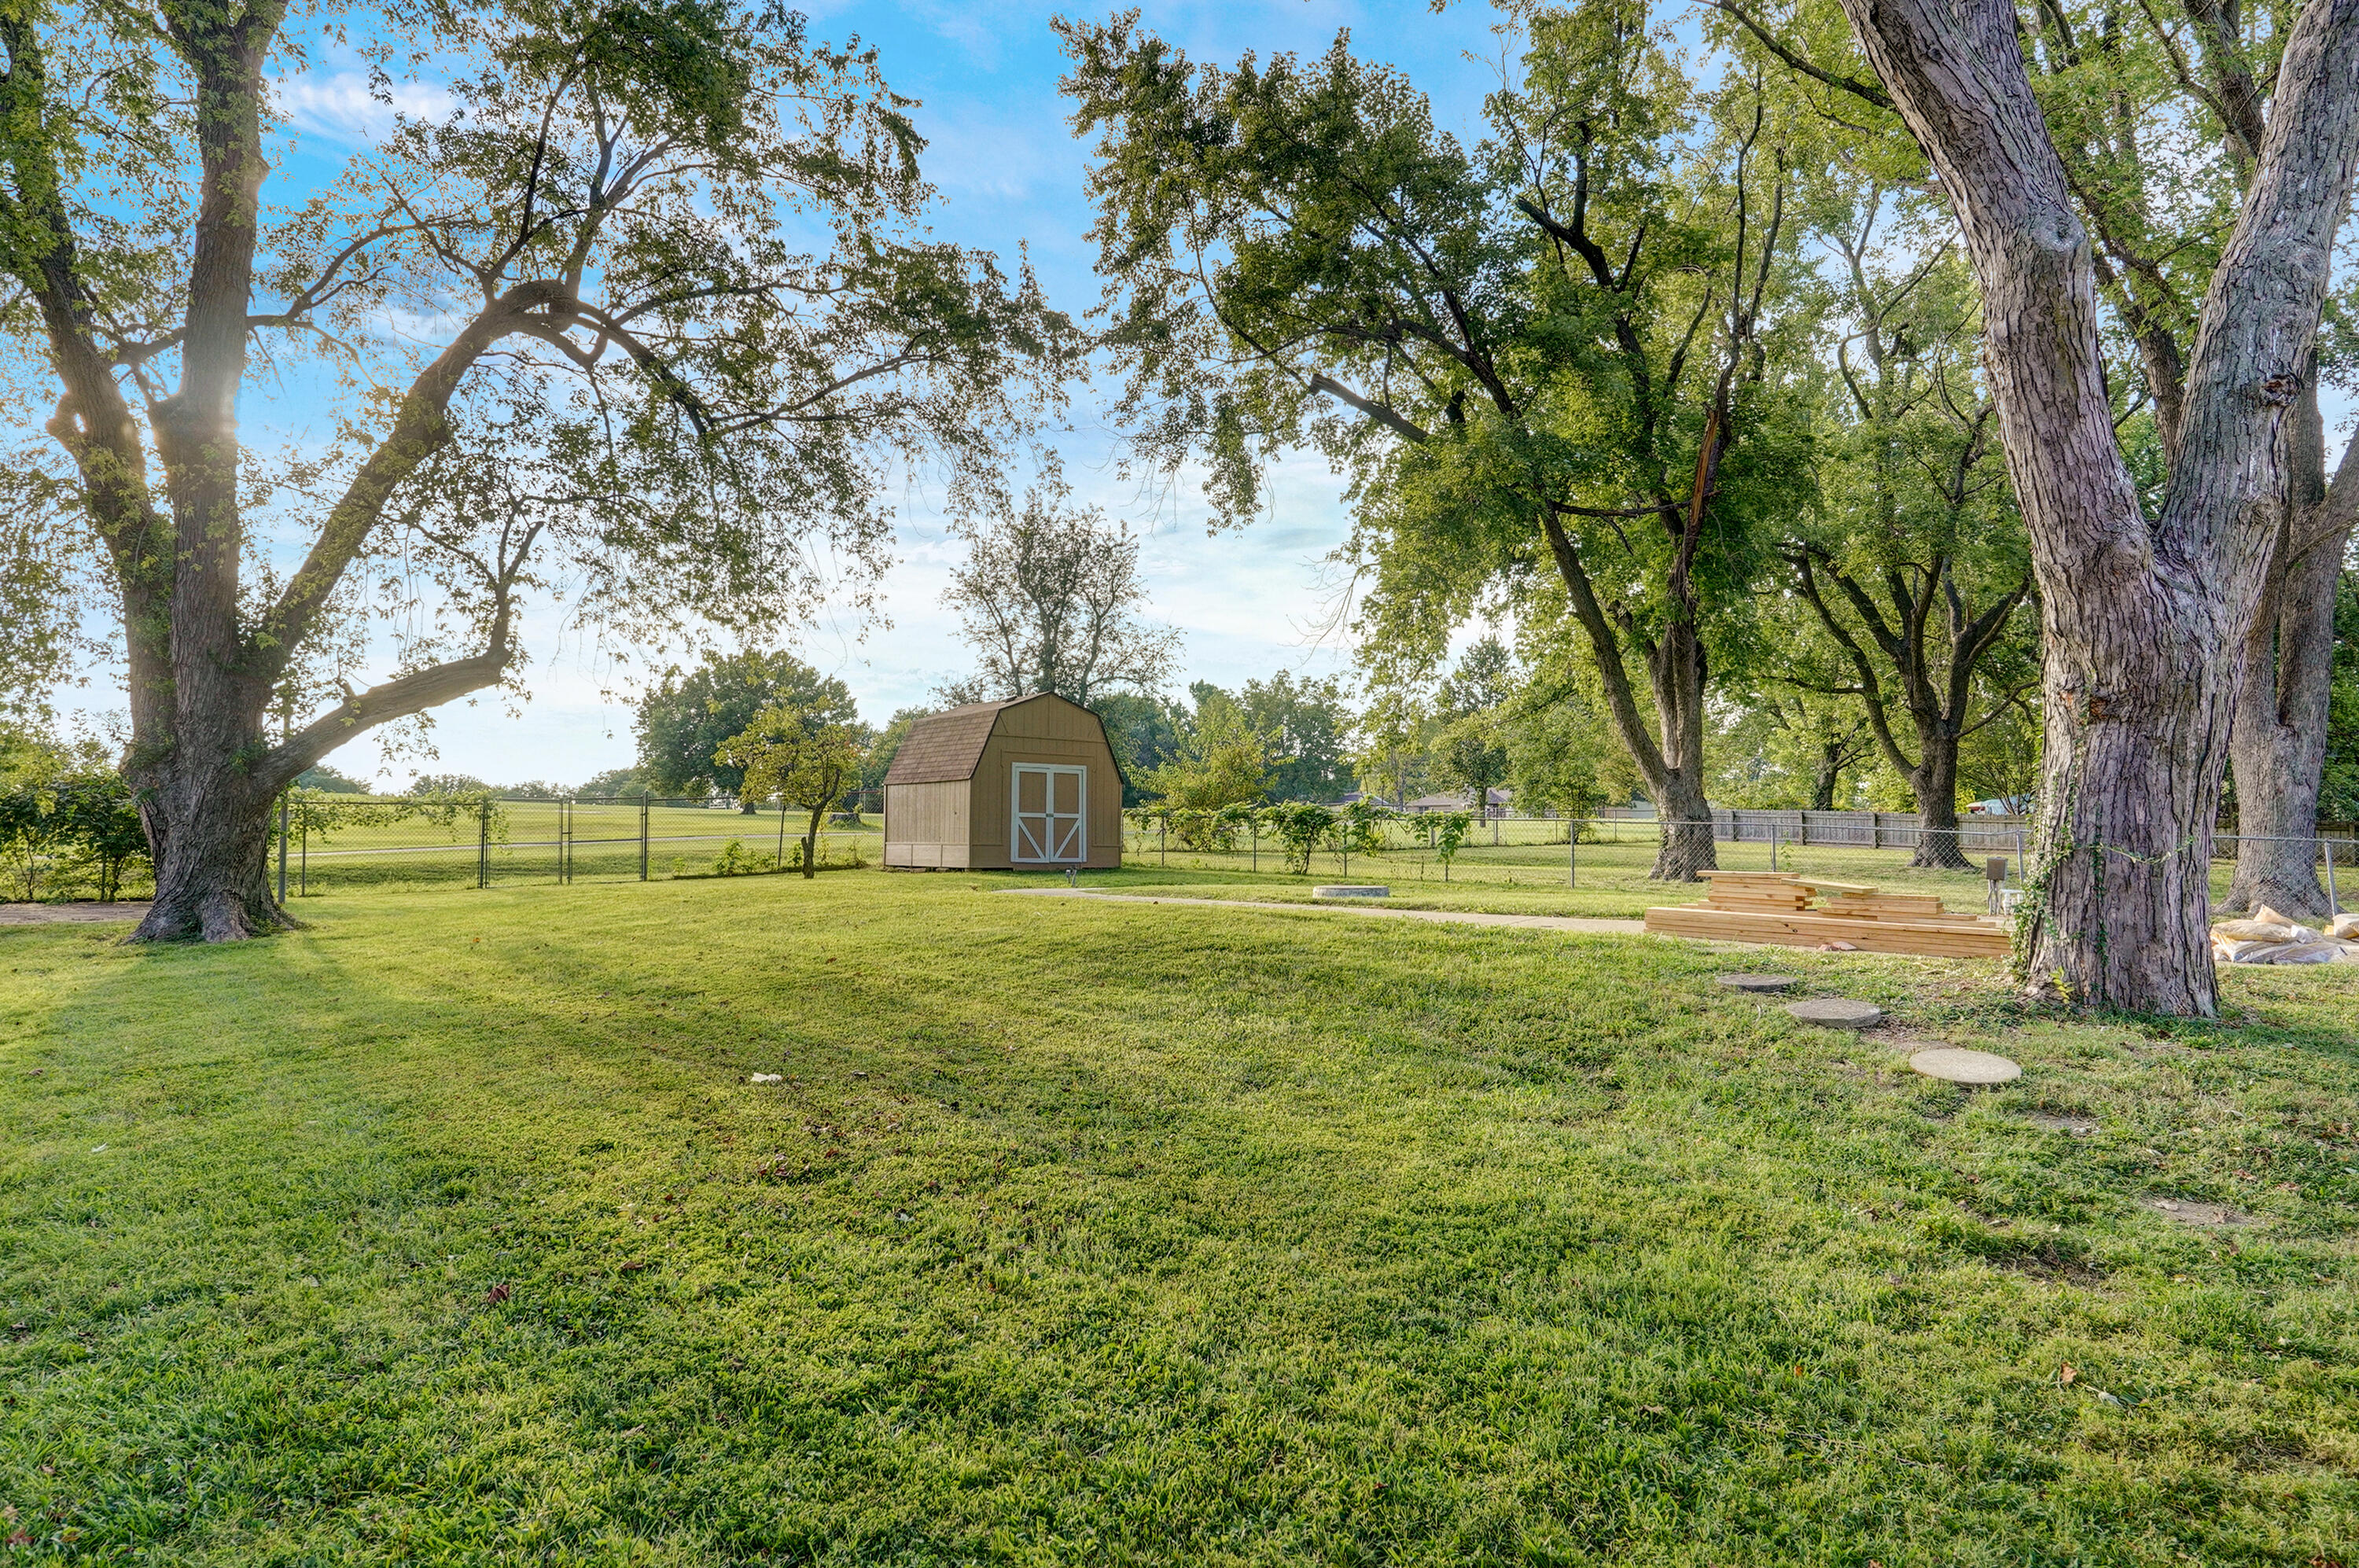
<point x="449" y="1230"/>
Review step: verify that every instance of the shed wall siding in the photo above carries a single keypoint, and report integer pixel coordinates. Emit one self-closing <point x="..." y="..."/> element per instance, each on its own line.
<point x="995" y="772"/>
<point x="926" y="825"/>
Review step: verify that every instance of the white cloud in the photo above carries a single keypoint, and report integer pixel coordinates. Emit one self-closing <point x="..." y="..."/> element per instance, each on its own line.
<point x="344" y="106"/>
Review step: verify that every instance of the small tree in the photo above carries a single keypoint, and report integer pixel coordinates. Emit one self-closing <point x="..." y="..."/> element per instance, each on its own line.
<point x="1298" y="826"/>
<point x="802" y="757"/>
<point x="1449" y="831"/>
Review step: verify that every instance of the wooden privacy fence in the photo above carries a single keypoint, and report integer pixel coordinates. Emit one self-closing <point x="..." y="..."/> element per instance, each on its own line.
<point x="1984" y="835"/>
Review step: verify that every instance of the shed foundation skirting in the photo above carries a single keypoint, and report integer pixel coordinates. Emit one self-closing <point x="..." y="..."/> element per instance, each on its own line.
<point x="917" y="856"/>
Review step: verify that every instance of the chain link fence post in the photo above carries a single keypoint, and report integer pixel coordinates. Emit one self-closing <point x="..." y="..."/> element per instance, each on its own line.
<point x="283" y="813"/>
<point x="484" y="845"/>
<point x="643" y="836"/>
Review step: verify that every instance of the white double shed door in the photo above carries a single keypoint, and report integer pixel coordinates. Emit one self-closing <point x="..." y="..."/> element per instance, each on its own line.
<point x="1050" y="804"/>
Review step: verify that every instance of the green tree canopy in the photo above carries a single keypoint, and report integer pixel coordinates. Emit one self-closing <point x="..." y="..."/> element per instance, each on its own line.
<point x="684" y="721"/>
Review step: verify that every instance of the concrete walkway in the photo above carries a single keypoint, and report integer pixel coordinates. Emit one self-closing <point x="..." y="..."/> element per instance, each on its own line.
<point x="64" y="914"/>
<point x="1584" y="924"/>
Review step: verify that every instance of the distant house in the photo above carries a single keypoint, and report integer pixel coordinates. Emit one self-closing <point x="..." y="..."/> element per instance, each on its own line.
<point x="1028" y="784"/>
<point x="1495" y="802"/>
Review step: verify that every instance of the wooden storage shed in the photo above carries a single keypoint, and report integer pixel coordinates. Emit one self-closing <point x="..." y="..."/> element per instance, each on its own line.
<point x="1025" y="784"/>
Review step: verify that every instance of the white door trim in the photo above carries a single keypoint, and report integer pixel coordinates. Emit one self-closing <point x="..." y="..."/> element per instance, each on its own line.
<point x="1062" y="838"/>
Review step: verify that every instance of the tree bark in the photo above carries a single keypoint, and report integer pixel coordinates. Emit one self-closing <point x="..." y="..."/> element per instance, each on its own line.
<point x="2146" y="622"/>
<point x="2276" y="748"/>
<point x="1828" y="776"/>
<point x="1935" y="785"/>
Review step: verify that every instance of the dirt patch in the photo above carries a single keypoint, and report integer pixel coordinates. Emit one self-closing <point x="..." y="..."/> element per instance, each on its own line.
<point x="2071" y="1127"/>
<point x="2050" y="1265"/>
<point x="2188" y="1211"/>
<point x="68" y="914"/>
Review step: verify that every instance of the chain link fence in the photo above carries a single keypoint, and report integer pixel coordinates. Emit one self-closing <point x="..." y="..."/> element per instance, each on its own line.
<point x="344" y="844"/>
<point x="1628" y="851"/>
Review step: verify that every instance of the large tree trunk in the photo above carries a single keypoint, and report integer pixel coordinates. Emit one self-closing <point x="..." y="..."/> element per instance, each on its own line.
<point x="1670" y="756"/>
<point x="211" y="869"/>
<point x="1935" y="785"/>
<point x="1828" y="776"/>
<point x="2276" y="747"/>
<point x="2146" y="620"/>
<point x="1676" y="670"/>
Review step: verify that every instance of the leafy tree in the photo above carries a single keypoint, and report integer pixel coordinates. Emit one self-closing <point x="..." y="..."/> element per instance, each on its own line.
<point x="1223" y="760"/>
<point x="1554" y="746"/>
<point x="1049" y="600"/>
<point x="1309" y="724"/>
<point x="1562" y="352"/>
<point x="804" y="756"/>
<point x="1300" y="827"/>
<point x="450" y="784"/>
<point x="2340" y="799"/>
<point x="1788" y="748"/>
<point x="1451" y="829"/>
<point x="1145" y="733"/>
<point x="1471" y="751"/>
<point x="45" y="581"/>
<point x="613" y="781"/>
<point x="878" y="761"/>
<point x="684" y="721"/>
<point x="1918" y="570"/>
<point x="686" y="330"/>
<point x="326" y="781"/>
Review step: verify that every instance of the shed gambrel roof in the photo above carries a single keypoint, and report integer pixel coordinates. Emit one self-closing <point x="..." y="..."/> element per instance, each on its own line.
<point x="946" y="746"/>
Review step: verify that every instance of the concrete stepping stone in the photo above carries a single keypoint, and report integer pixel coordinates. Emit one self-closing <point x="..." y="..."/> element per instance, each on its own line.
<point x="1836" y="1012"/>
<point x="1955" y="1064"/>
<point x="1759" y="983"/>
<point x="1351" y="890"/>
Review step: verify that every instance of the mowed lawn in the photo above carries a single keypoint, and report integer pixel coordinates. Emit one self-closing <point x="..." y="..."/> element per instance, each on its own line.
<point x="450" y="1230"/>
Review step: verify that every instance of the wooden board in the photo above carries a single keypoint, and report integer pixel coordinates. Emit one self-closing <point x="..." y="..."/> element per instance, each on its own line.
<point x="1816" y="885"/>
<point x="1743" y="876"/>
<point x="1887" y="906"/>
<point x="1964" y="939"/>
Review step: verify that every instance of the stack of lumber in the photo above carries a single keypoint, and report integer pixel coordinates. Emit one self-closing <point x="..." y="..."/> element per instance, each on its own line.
<point x="1776" y="906"/>
<point x="1761" y="892"/>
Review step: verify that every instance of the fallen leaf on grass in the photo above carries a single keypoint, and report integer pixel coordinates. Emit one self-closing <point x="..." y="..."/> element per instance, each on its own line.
<point x="496" y="1295"/>
<point x="2066" y="1376"/>
<point x="630" y="1267"/>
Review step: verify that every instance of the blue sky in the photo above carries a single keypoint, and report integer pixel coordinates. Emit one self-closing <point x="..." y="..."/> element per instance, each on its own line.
<point x="1010" y="172"/>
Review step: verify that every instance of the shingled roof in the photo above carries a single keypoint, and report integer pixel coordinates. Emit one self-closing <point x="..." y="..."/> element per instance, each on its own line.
<point x="946" y="746"/>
